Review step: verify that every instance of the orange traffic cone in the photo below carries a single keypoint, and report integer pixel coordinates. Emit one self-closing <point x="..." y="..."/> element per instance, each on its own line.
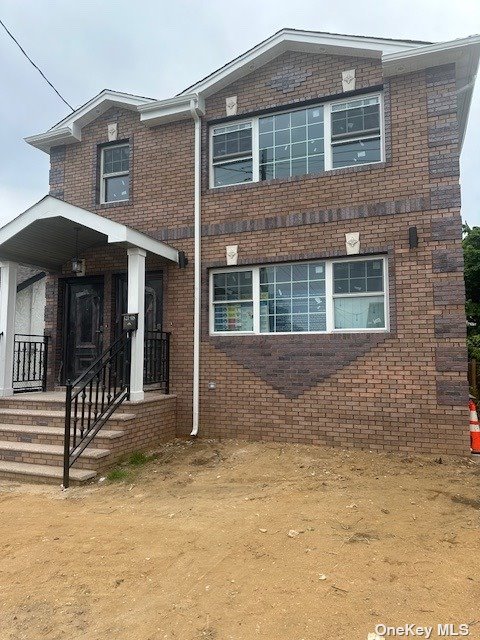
<point x="474" y="428"/>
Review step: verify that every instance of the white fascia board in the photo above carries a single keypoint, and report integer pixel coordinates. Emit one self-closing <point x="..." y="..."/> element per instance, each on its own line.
<point x="288" y="39"/>
<point x="389" y="59"/>
<point x="111" y="98"/>
<point x="68" y="130"/>
<point x="171" y="109"/>
<point x="50" y="207"/>
<point x="464" y="52"/>
<point x="45" y="141"/>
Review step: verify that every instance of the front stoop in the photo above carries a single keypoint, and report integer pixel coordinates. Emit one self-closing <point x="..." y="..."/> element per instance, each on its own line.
<point x="32" y="430"/>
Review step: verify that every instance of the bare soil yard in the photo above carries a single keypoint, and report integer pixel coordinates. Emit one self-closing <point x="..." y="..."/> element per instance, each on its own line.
<point x="238" y="541"/>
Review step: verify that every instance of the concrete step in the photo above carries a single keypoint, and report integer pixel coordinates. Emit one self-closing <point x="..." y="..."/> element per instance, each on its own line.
<point x="52" y="435"/>
<point x="47" y="401"/>
<point x="50" y="417"/>
<point x="49" y="454"/>
<point x="41" y="473"/>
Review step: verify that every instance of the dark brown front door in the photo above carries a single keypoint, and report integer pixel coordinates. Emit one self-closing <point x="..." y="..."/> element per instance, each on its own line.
<point x="84" y="325"/>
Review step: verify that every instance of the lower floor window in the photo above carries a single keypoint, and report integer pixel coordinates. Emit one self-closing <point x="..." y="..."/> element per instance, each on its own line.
<point x="301" y="297"/>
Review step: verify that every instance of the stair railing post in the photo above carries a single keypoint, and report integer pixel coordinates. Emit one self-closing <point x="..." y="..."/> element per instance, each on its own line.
<point x="45" y="364"/>
<point x="66" y="440"/>
<point x="167" y="363"/>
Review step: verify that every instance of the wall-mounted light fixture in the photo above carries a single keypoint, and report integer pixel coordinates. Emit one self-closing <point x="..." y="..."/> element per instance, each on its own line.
<point x="78" y="264"/>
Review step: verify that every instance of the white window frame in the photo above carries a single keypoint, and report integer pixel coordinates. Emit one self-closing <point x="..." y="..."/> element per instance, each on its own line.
<point x="327" y="132"/>
<point x="255" y="151"/>
<point x="117" y="174"/>
<point x="329" y="297"/>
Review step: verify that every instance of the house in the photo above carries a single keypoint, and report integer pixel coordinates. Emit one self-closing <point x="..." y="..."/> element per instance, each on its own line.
<point x="273" y="254"/>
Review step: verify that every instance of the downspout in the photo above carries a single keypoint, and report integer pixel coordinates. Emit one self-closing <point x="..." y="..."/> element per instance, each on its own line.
<point x="197" y="265"/>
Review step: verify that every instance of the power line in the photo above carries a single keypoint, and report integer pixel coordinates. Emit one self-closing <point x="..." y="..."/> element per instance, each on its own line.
<point x="36" y="67"/>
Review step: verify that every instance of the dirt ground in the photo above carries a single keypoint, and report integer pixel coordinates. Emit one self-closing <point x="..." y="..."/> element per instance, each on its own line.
<point x="237" y="541"/>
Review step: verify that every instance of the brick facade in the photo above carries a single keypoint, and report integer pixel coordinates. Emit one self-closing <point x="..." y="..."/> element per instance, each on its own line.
<point x="404" y="390"/>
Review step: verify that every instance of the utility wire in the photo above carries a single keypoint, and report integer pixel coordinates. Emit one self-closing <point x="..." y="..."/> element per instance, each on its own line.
<point x="37" y="68"/>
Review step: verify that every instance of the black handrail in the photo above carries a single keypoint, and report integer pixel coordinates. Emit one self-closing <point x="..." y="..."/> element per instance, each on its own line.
<point x="30" y="361"/>
<point x="93" y="397"/>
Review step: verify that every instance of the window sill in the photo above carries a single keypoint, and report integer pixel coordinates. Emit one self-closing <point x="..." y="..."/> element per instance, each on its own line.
<point x="229" y="334"/>
<point x="373" y="166"/>
<point x="113" y="205"/>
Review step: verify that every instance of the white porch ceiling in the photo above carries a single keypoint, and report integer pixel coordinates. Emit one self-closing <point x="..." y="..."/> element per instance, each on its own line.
<point x="46" y="235"/>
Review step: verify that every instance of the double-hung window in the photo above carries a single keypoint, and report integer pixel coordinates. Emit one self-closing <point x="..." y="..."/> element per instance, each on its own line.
<point x="115" y="173"/>
<point x="232" y="154"/>
<point x="355" y="128"/>
<point x="320" y="296"/>
<point x="327" y="136"/>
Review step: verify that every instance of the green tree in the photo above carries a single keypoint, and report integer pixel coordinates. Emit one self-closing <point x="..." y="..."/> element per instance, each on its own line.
<point x="471" y="253"/>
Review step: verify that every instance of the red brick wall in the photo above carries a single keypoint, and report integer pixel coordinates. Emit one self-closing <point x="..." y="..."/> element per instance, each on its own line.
<point x="405" y="390"/>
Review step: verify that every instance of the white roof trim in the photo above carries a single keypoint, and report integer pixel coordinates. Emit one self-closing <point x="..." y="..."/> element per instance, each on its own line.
<point x="290" y="39"/>
<point x="464" y="52"/>
<point x="116" y="233"/>
<point x="398" y="57"/>
<point x="172" y="109"/>
<point x="69" y="130"/>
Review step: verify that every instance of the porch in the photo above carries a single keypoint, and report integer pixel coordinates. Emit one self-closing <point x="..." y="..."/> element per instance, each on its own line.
<point x="60" y="238"/>
<point x="103" y="346"/>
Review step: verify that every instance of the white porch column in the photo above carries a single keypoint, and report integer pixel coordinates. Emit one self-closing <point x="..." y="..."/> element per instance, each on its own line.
<point x="136" y="304"/>
<point x="8" y="299"/>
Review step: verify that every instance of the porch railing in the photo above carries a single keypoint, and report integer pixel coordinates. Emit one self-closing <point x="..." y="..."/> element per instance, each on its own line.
<point x="157" y="359"/>
<point x="93" y="397"/>
<point x="30" y="359"/>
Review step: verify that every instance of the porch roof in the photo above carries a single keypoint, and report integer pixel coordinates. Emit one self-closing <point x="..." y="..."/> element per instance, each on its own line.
<point x="45" y="235"/>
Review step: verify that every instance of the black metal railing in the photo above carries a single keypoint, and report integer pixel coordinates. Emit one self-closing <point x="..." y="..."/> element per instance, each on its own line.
<point x="93" y="397"/>
<point x="157" y="359"/>
<point x="30" y="359"/>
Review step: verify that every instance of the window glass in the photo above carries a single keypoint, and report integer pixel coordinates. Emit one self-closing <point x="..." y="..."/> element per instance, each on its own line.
<point x="232" y="154"/>
<point x="234" y="317"/>
<point x="350" y="118"/>
<point x="356" y="132"/>
<point x="292" y="298"/>
<point x="353" y="281"/>
<point x="233" y="301"/>
<point x="116" y="159"/>
<point x="359" y="313"/>
<point x="232" y="143"/>
<point x="291" y="144"/>
<point x="115" y="173"/>
<point x="358" y="276"/>
<point x="346" y="154"/>
<point x="233" y="172"/>
<point x="116" y="188"/>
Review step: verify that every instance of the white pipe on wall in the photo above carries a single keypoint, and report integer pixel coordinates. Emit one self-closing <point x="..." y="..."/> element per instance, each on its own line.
<point x="197" y="267"/>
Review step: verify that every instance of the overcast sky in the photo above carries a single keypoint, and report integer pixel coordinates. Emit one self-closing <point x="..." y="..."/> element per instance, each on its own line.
<point x="157" y="48"/>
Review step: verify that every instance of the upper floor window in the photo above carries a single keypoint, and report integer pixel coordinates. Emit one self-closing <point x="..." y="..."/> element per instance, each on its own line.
<point x="356" y="134"/>
<point x="115" y="173"/>
<point x="232" y="153"/>
<point x="298" y="142"/>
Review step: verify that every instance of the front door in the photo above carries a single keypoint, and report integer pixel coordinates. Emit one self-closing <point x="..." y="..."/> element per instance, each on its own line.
<point x="83" y="326"/>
